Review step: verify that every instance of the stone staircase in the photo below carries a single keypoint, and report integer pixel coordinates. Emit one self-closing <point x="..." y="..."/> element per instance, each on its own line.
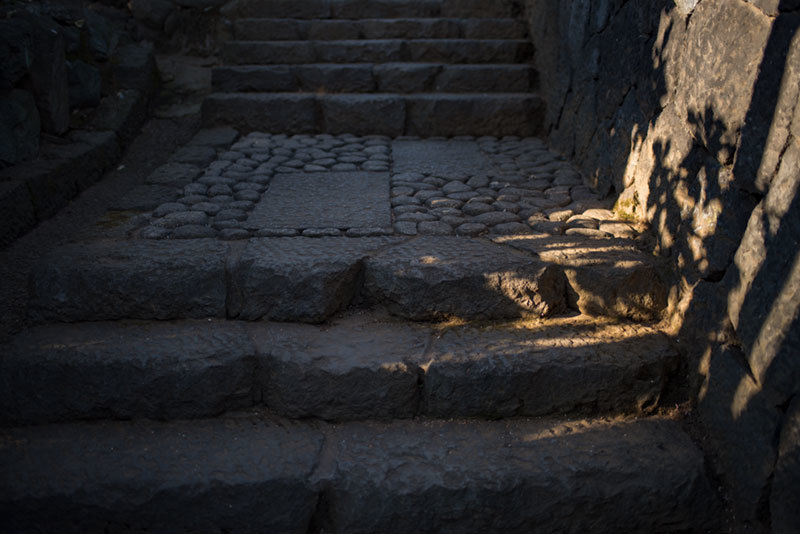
<point x="395" y="67"/>
<point x="184" y="371"/>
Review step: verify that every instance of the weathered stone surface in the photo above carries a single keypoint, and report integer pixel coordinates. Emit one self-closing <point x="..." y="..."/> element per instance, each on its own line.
<point x="363" y="114"/>
<point x="371" y="9"/>
<point x="122" y="370"/>
<point x="48" y="74"/>
<point x="135" y="67"/>
<point x="783" y="508"/>
<point x="17" y="211"/>
<point x="130" y="279"/>
<point x="607" y="276"/>
<point x="269" y="78"/>
<point x="406" y="77"/>
<point x="434" y="156"/>
<point x="448" y="114"/>
<point x="266" y="112"/>
<point x="153" y="13"/>
<point x="124" y="113"/>
<point x="19" y="127"/>
<point x="185" y="476"/>
<point x="485" y="79"/>
<point x="291" y="9"/>
<point x="336" y="200"/>
<point x="215" y="137"/>
<point x="85" y="84"/>
<point x="352" y="370"/>
<point x="298" y="279"/>
<point x="145" y="197"/>
<point x="439" y="277"/>
<point x="558" y="367"/>
<point x="335" y="79"/>
<point x="174" y="174"/>
<point x="519" y="476"/>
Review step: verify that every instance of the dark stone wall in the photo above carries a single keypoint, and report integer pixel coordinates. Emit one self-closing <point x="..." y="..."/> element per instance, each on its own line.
<point x="686" y="112"/>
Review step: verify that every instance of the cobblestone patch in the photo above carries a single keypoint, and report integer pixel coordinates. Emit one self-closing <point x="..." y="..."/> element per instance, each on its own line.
<point x="218" y="202"/>
<point x="462" y="186"/>
<point x="528" y="189"/>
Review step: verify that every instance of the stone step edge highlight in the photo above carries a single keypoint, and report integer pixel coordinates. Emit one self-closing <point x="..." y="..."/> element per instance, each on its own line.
<point x="433" y="476"/>
<point x="288" y="29"/>
<point x="417" y="114"/>
<point x="312" y="279"/>
<point x="387" y="78"/>
<point x="383" y="370"/>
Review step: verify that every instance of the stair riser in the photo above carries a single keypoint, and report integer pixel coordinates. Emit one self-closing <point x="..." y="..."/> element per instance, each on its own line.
<point x="428" y="115"/>
<point x="369" y="9"/>
<point x="335" y="30"/>
<point x="387" y="78"/>
<point x="376" y="51"/>
<point x="196" y="369"/>
<point x="249" y="475"/>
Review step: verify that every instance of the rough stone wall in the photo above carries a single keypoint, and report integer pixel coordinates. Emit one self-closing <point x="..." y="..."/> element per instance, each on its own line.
<point x="686" y="112"/>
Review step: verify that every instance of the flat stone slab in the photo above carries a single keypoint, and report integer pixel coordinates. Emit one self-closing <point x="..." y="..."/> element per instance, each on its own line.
<point x="431" y="278"/>
<point x="162" y="370"/>
<point x="439" y="157"/>
<point x="324" y="200"/>
<point x="353" y="370"/>
<point x="409" y="476"/>
<point x="109" y="280"/>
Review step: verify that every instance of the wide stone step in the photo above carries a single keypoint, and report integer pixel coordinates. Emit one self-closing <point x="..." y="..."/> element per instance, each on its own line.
<point x="377" y="51"/>
<point x="369" y="9"/>
<point x="380" y="78"/>
<point x="256" y="474"/>
<point x="357" y="367"/>
<point x="334" y="30"/>
<point x="311" y="279"/>
<point x="425" y="114"/>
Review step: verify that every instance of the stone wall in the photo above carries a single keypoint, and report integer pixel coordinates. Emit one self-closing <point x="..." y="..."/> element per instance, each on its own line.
<point x="686" y="112"/>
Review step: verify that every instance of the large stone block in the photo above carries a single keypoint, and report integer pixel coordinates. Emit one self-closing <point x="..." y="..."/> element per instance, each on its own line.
<point x="19" y="127"/>
<point x="238" y="474"/>
<point x="363" y="114"/>
<point x="134" y="67"/>
<point x="279" y="112"/>
<point x="130" y="279"/>
<point x="123" y="370"/>
<point x="297" y="279"/>
<point x="335" y="78"/>
<point x="351" y="370"/>
<point x="406" y="77"/>
<point x="17" y="211"/>
<point x="271" y="78"/>
<point x="435" y="278"/>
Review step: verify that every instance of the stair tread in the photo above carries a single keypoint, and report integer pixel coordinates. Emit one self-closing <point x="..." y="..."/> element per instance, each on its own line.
<point x="355" y="367"/>
<point x="239" y="472"/>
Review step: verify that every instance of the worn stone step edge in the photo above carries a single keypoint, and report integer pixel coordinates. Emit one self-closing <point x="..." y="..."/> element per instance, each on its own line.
<point x="276" y="29"/>
<point x="418" y="114"/>
<point x="252" y="474"/>
<point x="361" y="9"/>
<point x="376" y="78"/>
<point x="378" y="51"/>
<point x="357" y="368"/>
<point x="312" y="279"/>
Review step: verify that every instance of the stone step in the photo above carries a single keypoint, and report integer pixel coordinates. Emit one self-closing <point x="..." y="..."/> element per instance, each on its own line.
<point x="371" y="78"/>
<point x="377" y="51"/>
<point x="311" y="279"/>
<point x="356" y="367"/>
<point x="256" y="474"/>
<point x="369" y="9"/>
<point x="426" y="114"/>
<point x="335" y="30"/>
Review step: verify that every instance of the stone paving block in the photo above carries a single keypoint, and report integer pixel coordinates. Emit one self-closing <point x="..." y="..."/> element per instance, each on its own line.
<point x="517" y="476"/>
<point x="373" y="51"/>
<point x="571" y="365"/>
<point x="363" y="114"/>
<point x="352" y="370"/>
<point x="278" y="112"/>
<point x="324" y="200"/>
<point x="173" y="174"/>
<point x="122" y="370"/>
<point x="406" y="77"/>
<point x="237" y="474"/>
<point x="145" y="197"/>
<point x="215" y="137"/>
<point x="110" y="280"/>
<point x="608" y="277"/>
<point x="298" y="279"/>
<point x="436" y="157"/>
<point x="432" y="278"/>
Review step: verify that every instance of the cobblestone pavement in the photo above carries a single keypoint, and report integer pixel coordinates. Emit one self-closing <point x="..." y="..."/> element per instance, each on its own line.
<point x="265" y="185"/>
